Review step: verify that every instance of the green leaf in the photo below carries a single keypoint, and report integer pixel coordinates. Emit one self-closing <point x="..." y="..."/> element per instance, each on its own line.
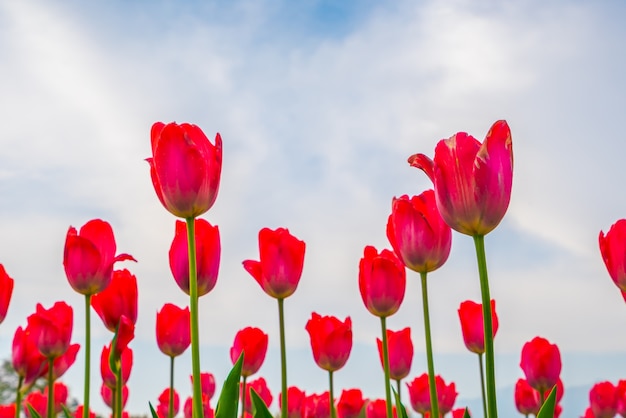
<point x="547" y="410"/>
<point x="152" y="411"/>
<point x="66" y="412"/>
<point x="32" y="411"/>
<point x="228" y="403"/>
<point x="259" y="409"/>
<point x="466" y="414"/>
<point x="399" y="406"/>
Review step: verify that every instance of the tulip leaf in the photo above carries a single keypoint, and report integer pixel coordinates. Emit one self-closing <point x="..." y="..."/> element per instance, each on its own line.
<point x="32" y="411"/>
<point x="152" y="411"/>
<point x="66" y="412"/>
<point x="259" y="409"/>
<point x="399" y="406"/>
<point x="228" y="403"/>
<point x="547" y="410"/>
<point x="466" y="414"/>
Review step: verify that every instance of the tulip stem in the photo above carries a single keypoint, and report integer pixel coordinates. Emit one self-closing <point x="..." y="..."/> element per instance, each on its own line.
<point x="542" y="398"/>
<point x="383" y="325"/>
<point x="434" y="404"/>
<point x="18" y="397"/>
<point x="399" y="389"/>
<point x="243" y="396"/>
<point x="479" y="243"/>
<point x="193" y="305"/>
<point x="333" y="411"/>
<point x="482" y="382"/>
<point x="50" y="387"/>
<point x="119" y="389"/>
<point x="170" y="411"/>
<point x="87" y="355"/>
<point x="283" y="359"/>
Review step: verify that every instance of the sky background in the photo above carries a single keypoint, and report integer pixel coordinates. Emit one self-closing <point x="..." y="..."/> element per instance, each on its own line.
<point x="319" y="104"/>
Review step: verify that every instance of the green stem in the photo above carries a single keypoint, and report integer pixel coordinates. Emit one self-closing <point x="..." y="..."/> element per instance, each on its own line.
<point x="170" y="411"/>
<point x="243" y="396"/>
<point x="119" y="389"/>
<point x="479" y="243"/>
<point x="18" y="397"/>
<point x="333" y="411"/>
<point x="383" y="325"/>
<point x="283" y="359"/>
<point x="542" y="399"/>
<point x="399" y="390"/>
<point x="434" y="403"/>
<point x="482" y="382"/>
<point x="87" y="355"/>
<point x="193" y="305"/>
<point x="50" y="387"/>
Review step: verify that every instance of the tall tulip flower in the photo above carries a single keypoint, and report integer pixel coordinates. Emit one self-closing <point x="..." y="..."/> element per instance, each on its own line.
<point x="473" y="330"/>
<point x="541" y="363"/>
<point x="88" y="259"/>
<point x="252" y="342"/>
<point x="185" y="168"/>
<point x="400" y="354"/>
<point x="473" y="188"/>
<point x="173" y="338"/>
<point x="119" y="298"/>
<point x="331" y="342"/>
<point x="278" y="273"/>
<point x="382" y="283"/>
<point x="6" y="290"/>
<point x="613" y="250"/>
<point x="208" y="251"/>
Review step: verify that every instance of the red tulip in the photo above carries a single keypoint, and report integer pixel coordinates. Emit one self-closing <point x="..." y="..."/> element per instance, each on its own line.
<point x="7" y="411"/>
<point x="382" y="281"/>
<point x="62" y="363"/>
<point x="459" y="413"/>
<point x="613" y="249"/>
<point x="51" y="329"/>
<point x="559" y="391"/>
<point x="526" y="398"/>
<point x="316" y="406"/>
<point x="281" y="262"/>
<point x="350" y="403"/>
<point x="472" y="180"/>
<point x="163" y="407"/>
<point x="400" y="353"/>
<point x="295" y="400"/>
<point x="621" y="398"/>
<point x="89" y="256"/>
<point x="185" y="168"/>
<point x="471" y="316"/>
<point x="108" y="394"/>
<point x="207" y="384"/>
<point x="419" y="392"/>
<point x="6" y="290"/>
<point x="417" y="232"/>
<point x="60" y="396"/>
<point x="603" y="400"/>
<point x="172" y="330"/>
<point x="260" y="387"/>
<point x="541" y="363"/>
<point x="188" y="407"/>
<point x="331" y="341"/>
<point x="208" y="251"/>
<point x="558" y="409"/>
<point x="253" y="343"/>
<point x="588" y="413"/>
<point x="38" y="401"/>
<point x="123" y="336"/>
<point x="108" y="377"/>
<point x="119" y="298"/>
<point x="79" y="412"/>
<point x="28" y="362"/>
<point x="378" y="409"/>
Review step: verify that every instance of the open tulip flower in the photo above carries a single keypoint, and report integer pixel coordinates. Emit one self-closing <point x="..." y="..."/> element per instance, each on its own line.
<point x="613" y="249"/>
<point x="208" y="252"/>
<point x="316" y="405"/>
<point x="119" y="298"/>
<point x="185" y="168"/>
<point x="52" y="329"/>
<point x="6" y="290"/>
<point x="28" y="362"/>
<point x="541" y="363"/>
<point x="417" y="232"/>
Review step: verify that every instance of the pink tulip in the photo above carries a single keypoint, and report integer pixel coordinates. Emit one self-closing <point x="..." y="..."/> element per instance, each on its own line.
<point x="382" y="281"/>
<point x="541" y="363"/>
<point x="172" y="330"/>
<point x="253" y="343"/>
<point x="472" y="180"/>
<point x="331" y="340"/>
<point x="526" y="398"/>
<point x="472" y="327"/>
<point x="400" y="353"/>
<point x="51" y="329"/>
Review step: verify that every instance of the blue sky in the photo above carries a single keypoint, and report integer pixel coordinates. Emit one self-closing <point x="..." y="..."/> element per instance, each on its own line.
<point x="319" y="107"/>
